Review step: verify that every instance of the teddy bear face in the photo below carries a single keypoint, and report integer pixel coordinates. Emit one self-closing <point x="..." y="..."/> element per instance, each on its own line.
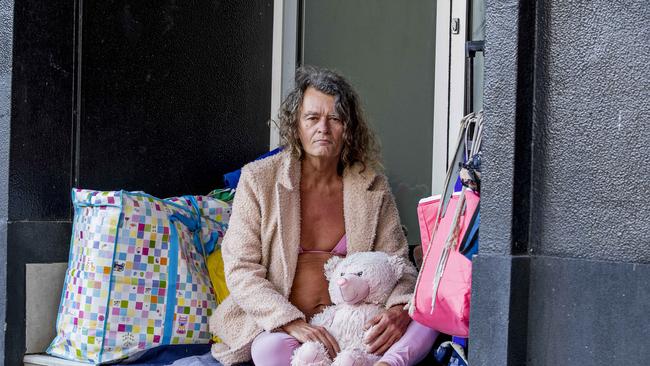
<point x="367" y="277"/>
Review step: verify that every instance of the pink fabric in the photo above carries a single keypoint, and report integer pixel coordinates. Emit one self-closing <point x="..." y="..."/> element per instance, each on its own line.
<point x="275" y="349"/>
<point x="427" y="214"/>
<point x="452" y="300"/>
<point x="341" y="248"/>
<point x="413" y="347"/>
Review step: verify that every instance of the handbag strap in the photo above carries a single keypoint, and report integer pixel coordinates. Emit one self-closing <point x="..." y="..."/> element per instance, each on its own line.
<point x="462" y="151"/>
<point x="447" y="187"/>
<point x="452" y="241"/>
<point x="452" y="173"/>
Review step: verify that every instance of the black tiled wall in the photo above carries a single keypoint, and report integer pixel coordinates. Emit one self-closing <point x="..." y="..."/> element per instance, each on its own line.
<point x="41" y="141"/>
<point x="172" y="96"/>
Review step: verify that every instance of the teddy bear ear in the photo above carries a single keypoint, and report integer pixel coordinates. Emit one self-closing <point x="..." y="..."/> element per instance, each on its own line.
<point x="330" y="266"/>
<point x="398" y="264"/>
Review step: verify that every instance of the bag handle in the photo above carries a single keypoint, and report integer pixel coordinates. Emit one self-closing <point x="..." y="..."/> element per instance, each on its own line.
<point x="194" y="225"/>
<point x="462" y="150"/>
<point x="452" y="237"/>
<point x="452" y="241"/>
<point x="451" y="172"/>
<point x="442" y="207"/>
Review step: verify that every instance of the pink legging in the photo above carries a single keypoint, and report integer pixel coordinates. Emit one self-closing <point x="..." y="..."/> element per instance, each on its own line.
<point x="275" y="349"/>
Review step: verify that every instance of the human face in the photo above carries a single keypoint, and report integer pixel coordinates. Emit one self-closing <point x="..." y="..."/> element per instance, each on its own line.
<point x="320" y="127"/>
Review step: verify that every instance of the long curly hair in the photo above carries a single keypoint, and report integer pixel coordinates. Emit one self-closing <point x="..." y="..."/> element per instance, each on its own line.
<point x="359" y="142"/>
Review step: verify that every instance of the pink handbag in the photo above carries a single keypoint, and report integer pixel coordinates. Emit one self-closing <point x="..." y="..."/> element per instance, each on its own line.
<point x="450" y="311"/>
<point x="442" y="293"/>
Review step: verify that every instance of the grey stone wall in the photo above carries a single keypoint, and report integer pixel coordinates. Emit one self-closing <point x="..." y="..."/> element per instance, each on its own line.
<point x="6" y="35"/>
<point x="591" y="134"/>
<point x="565" y="234"/>
<point x="566" y="94"/>
<point x="507" y="101"/>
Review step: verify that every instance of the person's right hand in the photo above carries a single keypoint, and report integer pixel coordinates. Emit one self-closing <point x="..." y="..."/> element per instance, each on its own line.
<point x="303" y="332"/>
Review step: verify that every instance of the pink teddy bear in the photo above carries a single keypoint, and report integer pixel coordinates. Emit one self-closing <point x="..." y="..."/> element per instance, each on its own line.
<point x="359" y="286"/>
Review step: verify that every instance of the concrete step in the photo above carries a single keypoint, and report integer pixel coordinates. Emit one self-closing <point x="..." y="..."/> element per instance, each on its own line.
<point x="47" y="360"/>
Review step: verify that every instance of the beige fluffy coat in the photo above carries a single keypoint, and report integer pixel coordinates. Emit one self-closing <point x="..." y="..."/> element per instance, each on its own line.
<point x="260" y="250"/>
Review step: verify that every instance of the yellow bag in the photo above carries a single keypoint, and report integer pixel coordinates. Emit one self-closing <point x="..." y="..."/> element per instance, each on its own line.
<point x="214" y="261"/>
<point x="217" y="276"/>
<point x="218" y="279"/>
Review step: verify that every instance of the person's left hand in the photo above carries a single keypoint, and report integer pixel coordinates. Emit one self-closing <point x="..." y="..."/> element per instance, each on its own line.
<point x="387" y="328"/>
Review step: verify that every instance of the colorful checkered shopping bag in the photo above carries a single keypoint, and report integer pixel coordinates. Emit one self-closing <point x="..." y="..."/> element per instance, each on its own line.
<point x="136" y="275"/>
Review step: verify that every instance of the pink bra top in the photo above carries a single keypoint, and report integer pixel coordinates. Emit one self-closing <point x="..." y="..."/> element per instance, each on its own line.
<point x="341" y="248"/>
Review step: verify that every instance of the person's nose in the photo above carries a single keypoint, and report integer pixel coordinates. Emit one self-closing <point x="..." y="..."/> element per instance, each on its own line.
<point x="323" y="125"/>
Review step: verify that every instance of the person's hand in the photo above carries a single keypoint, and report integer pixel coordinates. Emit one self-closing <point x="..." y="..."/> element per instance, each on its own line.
<point x="303" y="332"/>
<point x="386" y="329"/>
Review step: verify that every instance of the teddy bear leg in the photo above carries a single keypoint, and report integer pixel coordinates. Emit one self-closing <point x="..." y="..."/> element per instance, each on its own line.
<point x="355" y="358"/>
<point x="310" y="354"/>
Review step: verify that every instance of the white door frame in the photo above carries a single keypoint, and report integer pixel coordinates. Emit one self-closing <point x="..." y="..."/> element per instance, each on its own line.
<point x="449" y="92"/>
<point x="284" y="59"/>
<point x="449" y="89"/>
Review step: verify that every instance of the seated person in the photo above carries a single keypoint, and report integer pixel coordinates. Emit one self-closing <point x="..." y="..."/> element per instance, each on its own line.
<point x="320" y="197"/>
